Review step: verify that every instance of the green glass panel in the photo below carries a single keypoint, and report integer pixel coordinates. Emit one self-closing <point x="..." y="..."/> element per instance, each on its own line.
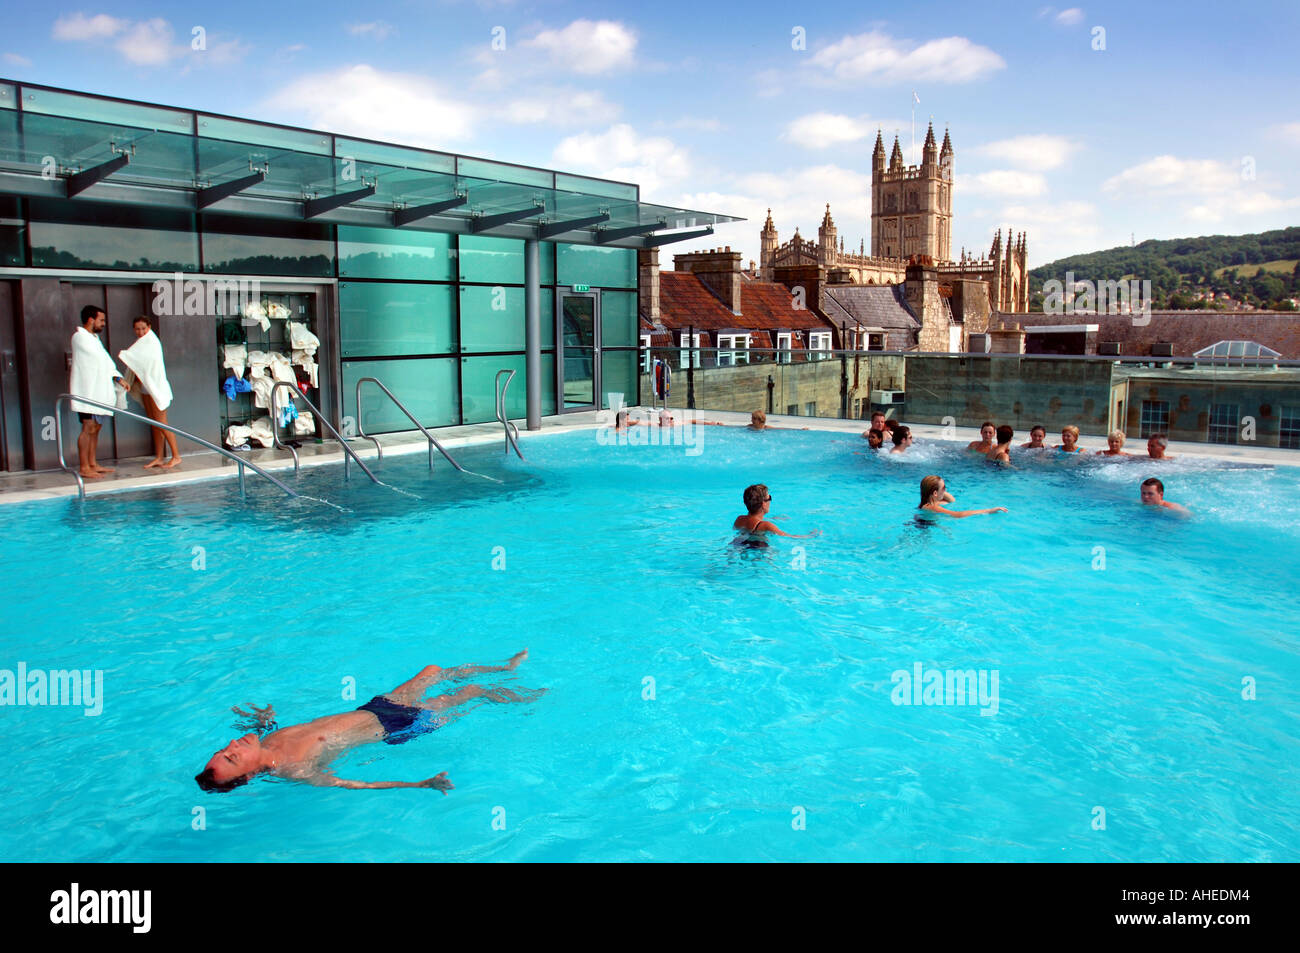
<point x="618" y="376"/>
<point x="596" y="266"/>
<point x="478" y="386"/>
<point x="392" y="253"/>
<point x="8" y="96"/>
<point x="11" y="232"/>
<point x="427" y="386"/>
<point x="240" y="245"/>
<point x="109" y="111"/>
<point x="289" y="173"/>
<point x="603" y="187"/>
<point x="401" y="156"/>
<point x="546" y="257"/>
<point x="500" y="172"/>
<point x="379" y="319"/>
<point x="79" y="234"/>
<point x="618" y="324"/>
<point x="276" y="137"/>
<point x="76" y="144"/>
<point x="491" y="318"/>
<point x="492" y="260"/>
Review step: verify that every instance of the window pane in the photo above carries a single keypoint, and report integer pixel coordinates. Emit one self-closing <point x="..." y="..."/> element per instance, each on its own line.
<point x="478" y="386"/>
<point x="618" y="376"/>
<point x="618" y="324"/>
<point x="499" y="172"/>
<point x="11" y="232"/>
<point x="392" y="253"/>
<point x="68" y="234"/>
<point x="427" y="386"/>
<point x="492" y="260"/>
<point x="578" y="183"/>
<point x="239" y="245"/>
<point x="596" y="266"/>
<point x="381" y="319"/>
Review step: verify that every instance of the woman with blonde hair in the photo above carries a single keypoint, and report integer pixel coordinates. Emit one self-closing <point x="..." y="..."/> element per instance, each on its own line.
<point x="1069" y="440"/>
<point x="934" y="494"/>
<point x="1116" y="443"/>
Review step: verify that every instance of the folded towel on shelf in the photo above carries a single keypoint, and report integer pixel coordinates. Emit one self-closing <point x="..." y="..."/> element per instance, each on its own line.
<point x="255" y="313"/>
<point x="305" y="424"/>
<point x="262" y="391"/>
<point x="260" y="430"/>
<point x="281" y="367"/>
<point x="301" y="339"/>
<point x="257" y="364"/>
<point x="235" y="357"/>
<point x="237" y="435"/>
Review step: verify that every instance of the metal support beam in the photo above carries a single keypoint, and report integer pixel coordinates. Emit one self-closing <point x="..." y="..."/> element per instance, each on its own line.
<point x="313" y="207"/>
<point x="657" y="240"/>
<point x="559" y="228"/>
<point x="483" y="223"/>
<point x="533" y="333"/>
<point x="80" y="181"/>
<point x="604" y="235"/>
<point x="215" y="193"/>
<point x="405" y="216"/>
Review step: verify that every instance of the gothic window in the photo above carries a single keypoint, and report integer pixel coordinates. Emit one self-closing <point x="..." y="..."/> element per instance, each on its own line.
<point x="912" y="201"/>
<point x="891" y="202"/>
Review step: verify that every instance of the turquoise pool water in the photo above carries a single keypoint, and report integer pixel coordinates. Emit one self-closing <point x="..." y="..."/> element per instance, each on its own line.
<point x="1120" y="639"/>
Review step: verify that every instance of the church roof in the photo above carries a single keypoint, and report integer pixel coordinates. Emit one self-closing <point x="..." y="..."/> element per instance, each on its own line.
<point x="685" y="300"/>
<point x="869" y="306"/>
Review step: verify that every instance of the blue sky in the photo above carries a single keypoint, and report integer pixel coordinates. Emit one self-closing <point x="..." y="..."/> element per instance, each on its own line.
<point x="1185" y="123"/>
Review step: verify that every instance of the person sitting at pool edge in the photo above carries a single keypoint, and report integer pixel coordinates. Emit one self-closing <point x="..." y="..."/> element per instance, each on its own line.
<point x="1116" y="444"/>
<point x="1037" y="434"/>
<point x="1157" y="444"/>
<point x="934" y="494"/>
<point x="1002" y="452"/>
<point x="757" y="503"/>
<point x="985" y="443"/>
<point x="1153" y="494"/>
<point x="303" y="752"/>
<point x="1069" y="440"/>
<point x="902" y="439"/>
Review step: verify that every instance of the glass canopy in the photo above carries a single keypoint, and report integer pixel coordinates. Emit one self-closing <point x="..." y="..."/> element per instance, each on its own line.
<point x="116" y="150"/>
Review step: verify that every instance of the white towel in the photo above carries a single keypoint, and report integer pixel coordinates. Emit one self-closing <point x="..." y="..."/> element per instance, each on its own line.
<point x="92" y="375"/>
<point x="300" y="339"/>
<point x="237" y="435"/>
<point x="303" y="359"/>
<point x="235" y="356"/>
<point x="262" y="391"/>
<point x="304" y="424"/>
<point x="281" y="367"/>
<point x="260" y="430"/>
<point x="145" y="358"/>
<point x="257" y="362"/>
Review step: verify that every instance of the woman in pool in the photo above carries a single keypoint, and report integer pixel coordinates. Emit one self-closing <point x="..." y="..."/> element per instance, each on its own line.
<point x="1069" y="440"/>
<point x="1116" y="443"/>
<point x="934" y="494"/>
<point x="752" y="524"/>
<point x="1037" y="435"/>
<point x="875" y="439"/>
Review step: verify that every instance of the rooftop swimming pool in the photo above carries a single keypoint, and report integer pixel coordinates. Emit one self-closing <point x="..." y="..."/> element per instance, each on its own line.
<point x="1140" y="672"/>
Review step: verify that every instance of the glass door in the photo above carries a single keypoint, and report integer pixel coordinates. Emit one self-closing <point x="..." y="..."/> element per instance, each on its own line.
<point x="578" y="335"/>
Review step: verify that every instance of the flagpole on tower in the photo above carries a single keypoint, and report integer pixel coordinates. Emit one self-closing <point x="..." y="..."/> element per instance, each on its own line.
<point x="915" y="99"/>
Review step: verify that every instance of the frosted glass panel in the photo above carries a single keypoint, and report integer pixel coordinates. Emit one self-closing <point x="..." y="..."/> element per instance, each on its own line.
<point x="427" y="386"/>
<point x="381" y="319"/>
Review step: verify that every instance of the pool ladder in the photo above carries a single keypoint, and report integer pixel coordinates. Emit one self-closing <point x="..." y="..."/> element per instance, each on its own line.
<point x="348" y="453"/>
<point x="361" y="430"/>
<point x="512" y="432"/>
<point x="81" y="483"/>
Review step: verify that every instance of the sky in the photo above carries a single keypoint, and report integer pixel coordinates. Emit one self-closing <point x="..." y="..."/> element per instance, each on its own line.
<point x="1086" y="127"/>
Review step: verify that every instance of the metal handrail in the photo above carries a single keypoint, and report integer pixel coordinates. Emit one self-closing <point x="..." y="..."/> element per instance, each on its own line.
<point x="512" y="440"/>
<point x="348" y="452"/>
<point x="81" y="483"/>
<point x="361" y="429"/>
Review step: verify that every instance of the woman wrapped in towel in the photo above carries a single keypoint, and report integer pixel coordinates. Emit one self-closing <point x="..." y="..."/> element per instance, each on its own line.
<point x="144" y="362"/>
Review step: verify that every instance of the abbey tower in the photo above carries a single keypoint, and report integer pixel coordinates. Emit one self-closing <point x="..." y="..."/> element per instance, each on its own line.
<point x="911" y="206"/>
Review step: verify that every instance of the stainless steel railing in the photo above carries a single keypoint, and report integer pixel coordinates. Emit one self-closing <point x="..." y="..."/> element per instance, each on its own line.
<point x="348" y="452"/>
<point x="81" y="483"/>
<point x="512" y="439"/>
<point x="361" y="430"/>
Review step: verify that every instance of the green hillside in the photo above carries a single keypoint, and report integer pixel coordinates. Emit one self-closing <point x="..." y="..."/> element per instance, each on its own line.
<point x="1262" y="270"/>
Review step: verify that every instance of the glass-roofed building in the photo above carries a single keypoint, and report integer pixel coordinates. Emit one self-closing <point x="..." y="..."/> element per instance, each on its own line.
<point x="258" y="249"/>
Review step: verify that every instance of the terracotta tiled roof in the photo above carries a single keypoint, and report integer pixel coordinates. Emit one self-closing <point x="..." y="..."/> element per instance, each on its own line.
<point x="1187" y="331"/>
<point x="766" y="307"/>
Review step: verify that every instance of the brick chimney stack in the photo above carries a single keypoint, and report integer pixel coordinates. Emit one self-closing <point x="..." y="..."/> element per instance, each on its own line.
<point x="719" y="269"/>
<point x="647" y="264"/>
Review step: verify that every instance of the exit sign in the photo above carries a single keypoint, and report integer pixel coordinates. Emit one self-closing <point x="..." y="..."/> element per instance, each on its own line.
<point x="582" y="287"/>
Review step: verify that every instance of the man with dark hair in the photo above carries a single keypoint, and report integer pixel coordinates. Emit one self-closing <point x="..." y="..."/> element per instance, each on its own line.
<point x="985" y="443"/>
<point x="1153" y="494"/>
<point x="93" y="376"/>
<point x="877" y="426"/>
<point x="1002" y="452"/>
<point x="304" y="752"/>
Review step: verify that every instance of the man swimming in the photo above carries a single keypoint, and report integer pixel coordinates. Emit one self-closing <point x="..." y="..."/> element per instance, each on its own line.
<point x="902" y="439"/>
<point x="757" y="502"/>
<point x="303" y="752"/>
<point x="985" y="443"/>
<point x="1153" y="494"/>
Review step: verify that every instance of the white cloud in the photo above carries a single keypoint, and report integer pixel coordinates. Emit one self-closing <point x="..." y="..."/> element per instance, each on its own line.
<point x="1070" y="17"/>
<point x="879" y="58"/>
<point x="1288" y="132"/>
<point x="1053" y="230"/>
<point x="560" y="107"/>
<point x="13" y="59"/>
<point x="821" y="130"/>
<point x="377" y="29"/>
<point x="1169" y="173"/>
<point x="363" y="101"/>
<point x="696" y="123"/>
<point x="78" y="26"/>
<point x="149" y="43"/>
<point x="1217" y="208"/>
<point x="656" y="163"/>
<point x="1037" y="152"/>
<point x="587" y="46"/>
<point x="1001" y="182"/>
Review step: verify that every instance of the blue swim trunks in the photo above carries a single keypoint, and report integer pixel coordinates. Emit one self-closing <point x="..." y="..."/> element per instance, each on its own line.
<point x="401" y="723"/>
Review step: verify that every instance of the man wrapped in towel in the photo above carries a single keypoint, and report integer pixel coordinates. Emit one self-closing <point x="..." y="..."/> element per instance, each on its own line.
<point x="93" y="376"/>
<point x="144" y="361"/>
